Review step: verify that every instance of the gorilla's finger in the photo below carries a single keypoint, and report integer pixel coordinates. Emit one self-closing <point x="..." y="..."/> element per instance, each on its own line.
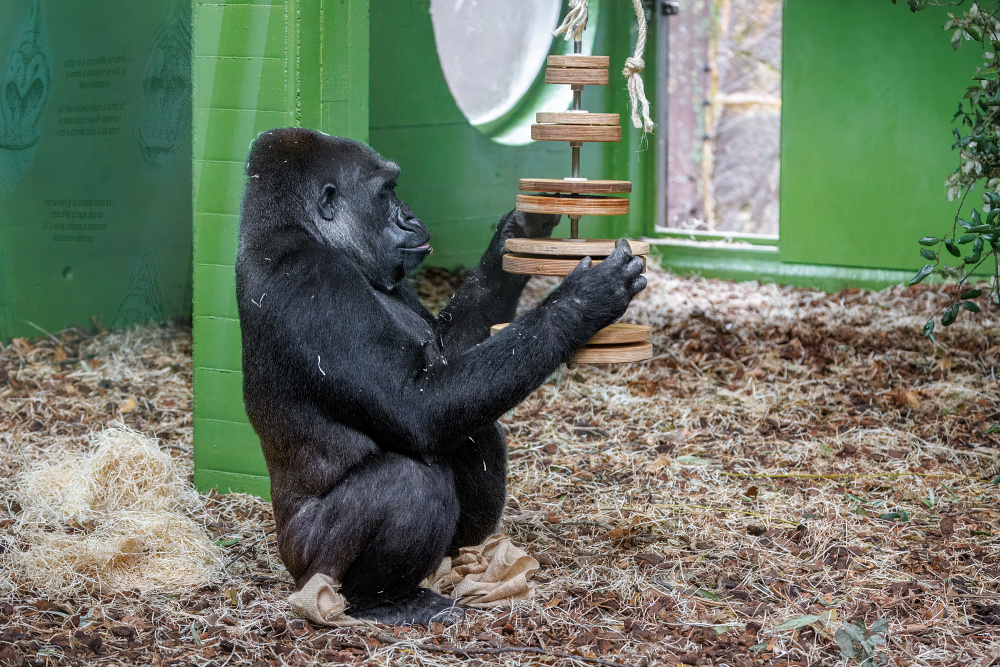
<point x="584" y="264"/>
<point x="635" y="266"/>
<point x="638" y="285"/>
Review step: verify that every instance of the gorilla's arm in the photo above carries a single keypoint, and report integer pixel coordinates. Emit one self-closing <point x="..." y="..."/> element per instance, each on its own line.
<point x="376" y="375"/>
<point x="489" y="295"/>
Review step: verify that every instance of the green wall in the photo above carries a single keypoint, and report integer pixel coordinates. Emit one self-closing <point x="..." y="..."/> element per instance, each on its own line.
<point x="95" y="163"/>
<point x="868" y="93"/>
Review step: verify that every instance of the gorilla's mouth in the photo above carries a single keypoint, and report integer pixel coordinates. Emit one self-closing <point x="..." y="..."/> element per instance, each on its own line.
<point x="424" y="247"/>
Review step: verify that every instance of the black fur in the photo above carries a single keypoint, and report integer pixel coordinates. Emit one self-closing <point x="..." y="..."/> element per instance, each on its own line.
<point x="378" y="420"/>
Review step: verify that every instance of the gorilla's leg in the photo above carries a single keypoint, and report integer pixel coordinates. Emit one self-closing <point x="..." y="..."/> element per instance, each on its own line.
<point x="379" y="532"/>
<point x="480" y="473"/>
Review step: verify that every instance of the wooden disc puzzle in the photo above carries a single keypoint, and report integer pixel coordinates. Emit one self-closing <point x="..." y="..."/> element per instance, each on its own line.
<point x="574" y="197"/>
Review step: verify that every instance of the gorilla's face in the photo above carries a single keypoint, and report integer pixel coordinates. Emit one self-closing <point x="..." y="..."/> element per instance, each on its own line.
<point x="347" y="191"/>
<point x="357" y="204"/>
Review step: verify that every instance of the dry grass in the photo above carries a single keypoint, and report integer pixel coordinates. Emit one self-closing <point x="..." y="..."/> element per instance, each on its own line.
<point x="786" y="453"/>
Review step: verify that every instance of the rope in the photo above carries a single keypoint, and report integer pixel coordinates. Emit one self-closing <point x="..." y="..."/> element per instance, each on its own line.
<point x="633" y="67"/>
<point x="573" y="25"/>
<point x="575" y="21"/>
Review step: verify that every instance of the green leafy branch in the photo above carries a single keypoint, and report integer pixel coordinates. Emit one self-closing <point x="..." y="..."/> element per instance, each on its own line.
<point x="979" y="162"/>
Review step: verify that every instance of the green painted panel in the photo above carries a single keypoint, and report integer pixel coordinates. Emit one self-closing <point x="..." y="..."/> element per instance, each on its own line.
<point x="221" y="447"/>
<point x="239" y="32"/>
<point x="227" y="482"/>
<point x="216" y="296"/>
<point x="868" y="93"/>
<point x="222" y="134"/>
<point x="95" y="163"/>
<point x="241" y="83"/>
<point x="219" y="187"/>
<point x="218" y="395"/>
<point x="219" y="344"/>
<point x="217" y="238"/>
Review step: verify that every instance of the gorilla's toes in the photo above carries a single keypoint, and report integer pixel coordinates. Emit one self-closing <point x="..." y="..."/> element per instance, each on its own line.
<point x="422" y="606"/>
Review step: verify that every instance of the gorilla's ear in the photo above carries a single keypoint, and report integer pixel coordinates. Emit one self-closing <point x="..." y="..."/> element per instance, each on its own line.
<point x="326" y="200"/>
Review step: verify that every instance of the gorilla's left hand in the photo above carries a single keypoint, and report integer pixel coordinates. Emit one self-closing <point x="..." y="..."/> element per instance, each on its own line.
<point x="518" y="224"/>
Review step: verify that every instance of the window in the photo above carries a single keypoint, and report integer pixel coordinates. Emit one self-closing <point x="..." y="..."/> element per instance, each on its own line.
<point x="492" y="52"/>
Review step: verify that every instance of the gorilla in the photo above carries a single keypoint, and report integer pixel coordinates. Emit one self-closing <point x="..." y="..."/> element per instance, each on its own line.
<point x="378" y="421"/>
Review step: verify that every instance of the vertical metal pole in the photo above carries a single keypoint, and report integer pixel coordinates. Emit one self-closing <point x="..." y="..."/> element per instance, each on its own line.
<point x="666" y="10"/>
<point x="574" y="220"/>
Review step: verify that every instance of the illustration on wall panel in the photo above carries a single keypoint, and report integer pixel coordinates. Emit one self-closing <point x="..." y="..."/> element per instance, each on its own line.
<point x="166" y="91"/>
<point x="141" y="301"/>
<point x="23" y="93"/>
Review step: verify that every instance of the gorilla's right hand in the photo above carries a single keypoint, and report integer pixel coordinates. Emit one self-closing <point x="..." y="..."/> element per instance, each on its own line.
<point x="601" y="292"/>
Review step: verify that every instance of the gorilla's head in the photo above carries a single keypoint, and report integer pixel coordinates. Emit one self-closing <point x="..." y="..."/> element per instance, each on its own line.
<point x="340" y="192"/>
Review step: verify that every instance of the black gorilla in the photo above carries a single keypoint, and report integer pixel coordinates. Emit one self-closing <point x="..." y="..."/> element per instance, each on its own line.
<point x="377" y="419"/>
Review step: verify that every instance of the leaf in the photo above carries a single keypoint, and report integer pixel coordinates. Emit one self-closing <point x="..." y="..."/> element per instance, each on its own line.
<point x="993" y="429"/>
<point x="971" y="294"/>
<point x="929" y="330"/>
<point x="846" y="644"/>
<point x="965" y="223"/>
<point x="952" y="248"/>
<point x="799" y="622"/>
<point x="707" y="594"/>
<point x="925" y="270"/>
<point x="977" y="247"/>
<point x="891" y="516"/>
<point x="929" y="240"/>
<point x="976" y="218"/>
<point x="228" y="543"/>
<point x="970" y="306"/>
<point x="965" y="239"/>
<point x="928" y="254"/>
<point x="979" y="229"/>
<point x="692" y="460"/>
<point x="950" y="315"/>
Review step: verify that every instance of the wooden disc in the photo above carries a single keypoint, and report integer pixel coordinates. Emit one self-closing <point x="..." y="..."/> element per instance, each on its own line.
<point x="593" y="248"/>
<point x="613" y="354"/>
<point x="536" y="265"/>
<point x="548" y="132"/>
<point x="577" y="187"/>
<point x="577" y="118"/>
<point x="581" y="205"/>
<point x="579" y="60"/>
<point x="615" y="334"/>
<point x="580" y="77"/>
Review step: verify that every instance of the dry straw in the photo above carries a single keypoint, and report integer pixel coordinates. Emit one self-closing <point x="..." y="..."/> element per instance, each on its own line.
<point x="112" y="519"/>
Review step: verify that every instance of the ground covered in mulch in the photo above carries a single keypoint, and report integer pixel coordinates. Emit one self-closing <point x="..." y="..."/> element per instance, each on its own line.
<point x="791" y="478"/>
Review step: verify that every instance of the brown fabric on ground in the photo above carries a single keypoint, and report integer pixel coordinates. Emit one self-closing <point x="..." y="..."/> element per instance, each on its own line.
<point x="487" y="575"/>
<point x="320" y="601"/>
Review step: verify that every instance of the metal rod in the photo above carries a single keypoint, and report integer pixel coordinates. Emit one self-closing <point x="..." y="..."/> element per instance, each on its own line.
<point x="577" y="90"/>
<point x="574" y="220"/>
<point x="667" y="9"/>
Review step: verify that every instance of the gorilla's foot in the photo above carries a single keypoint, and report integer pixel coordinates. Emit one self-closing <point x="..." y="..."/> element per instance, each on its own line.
<point x="421" y="606"/>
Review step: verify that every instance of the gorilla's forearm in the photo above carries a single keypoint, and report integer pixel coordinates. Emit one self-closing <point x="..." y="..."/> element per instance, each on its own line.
<point x="440" y="405"/>
<point x="487" y="297"/>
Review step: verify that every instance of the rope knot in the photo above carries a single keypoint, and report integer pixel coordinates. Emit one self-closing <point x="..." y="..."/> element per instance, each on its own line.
<point x="633" y="66"/>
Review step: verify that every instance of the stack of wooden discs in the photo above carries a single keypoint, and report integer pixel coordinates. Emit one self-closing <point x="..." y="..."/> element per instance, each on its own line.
<point x="575" y="197"/>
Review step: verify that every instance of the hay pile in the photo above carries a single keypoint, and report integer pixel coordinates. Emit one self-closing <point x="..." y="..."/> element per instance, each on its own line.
<point x="113" y="519"/>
